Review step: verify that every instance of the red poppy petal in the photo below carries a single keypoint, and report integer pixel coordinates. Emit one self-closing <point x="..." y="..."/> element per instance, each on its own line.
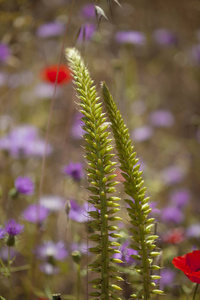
<point x="193" y="260"/>
<point x="49" y="74"/>
<point x="180" y="263"/>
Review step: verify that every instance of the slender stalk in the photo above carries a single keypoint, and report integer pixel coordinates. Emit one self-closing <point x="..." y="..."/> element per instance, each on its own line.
<point x="9" y="273"/>
<point x="78" y="280"/>
<point x="195" y="291"/>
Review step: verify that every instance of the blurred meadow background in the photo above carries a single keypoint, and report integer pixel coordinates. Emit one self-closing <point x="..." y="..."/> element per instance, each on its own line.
<point x="148" y="52"/>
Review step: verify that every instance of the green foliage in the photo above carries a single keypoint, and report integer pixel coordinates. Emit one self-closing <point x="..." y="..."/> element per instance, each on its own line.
<point x="98" y="153"/>
<point x="142" y="238"/>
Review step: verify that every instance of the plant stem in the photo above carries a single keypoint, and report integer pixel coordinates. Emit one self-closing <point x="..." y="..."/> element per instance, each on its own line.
<point x="9" y="272"/>
<point x="78" y="280"/>
<point x="195" y="291"/>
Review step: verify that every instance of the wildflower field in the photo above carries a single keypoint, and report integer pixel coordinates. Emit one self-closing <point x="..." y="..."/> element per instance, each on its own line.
<point x="99" y="149"/>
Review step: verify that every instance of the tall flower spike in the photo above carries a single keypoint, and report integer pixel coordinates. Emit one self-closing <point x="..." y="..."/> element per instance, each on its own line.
<point x="138" y="210"/>
<point x="100" y="175"/>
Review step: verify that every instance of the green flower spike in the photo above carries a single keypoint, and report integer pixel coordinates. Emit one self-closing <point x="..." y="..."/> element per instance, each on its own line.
<point x="142" y="238"/>
<point x="101" y="178"/>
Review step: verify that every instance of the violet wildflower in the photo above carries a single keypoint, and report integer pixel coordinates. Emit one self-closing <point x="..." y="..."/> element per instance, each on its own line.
<point x="35" y="213"/>
<point x="172" y="175"/>
<point x="193" y="231"/>
<point x="165" y="37"/>
<point x="2" y="233"/>
<point x="78" y="213"/>
<point x="172" y="214"/>
<point x="24" y="185"/>
<point x="142" y="133"/>
<point x="180" y="198"/>
<point x="74" y="170"/>
<point x="52" y="251"/>
<point x="4" y="52"/>
<point x="130" y="37"/>
<point x="88" y="11"/>
<point x="162" y="118"/>
<point x="12" y="229"/>
<point x="49" y="269"/>
<point x="86" y="32"/>
<point x="50" y="29"/>
<point x="23" y="141"/>
<point x="167" y="278"/>
<point x="77" y="131"/>
<point x="52" y="203"/>
<point x="125" y="254"/>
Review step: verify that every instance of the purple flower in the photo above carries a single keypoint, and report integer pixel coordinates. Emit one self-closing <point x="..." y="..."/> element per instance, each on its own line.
<point x="77" y="131"/>
<point x="172" y="175"/>
<point x="82" y="248"/>
<point x="193" y="231"/>
<point x="2" y="233"/>
<point x="165" y="37"/>
<point x="79" y="213"/>
<point x="167" y="278"/>
<point x="87" y="31"/>
<point x="35" y="213"/>
<point x="4" y="52"/>
<point x="13" y="228"/>
<point x="48" y="269"/>
<point x="162" y="118"/>
<point x="50" y="30"/>
<point x="126" y="253"/>
<point x="23" y="141"/>
<point x="142" y="133"/>
<point x="74" y="170"/>
<point x="130" y="37"/>
<point x="180" y="198"/>
<point x="24" y="185"/>
<point x="53" y="250"/>
<point x="172" y="214"/>
<point x="88" y="11"/>
<point x="52" y="203"/>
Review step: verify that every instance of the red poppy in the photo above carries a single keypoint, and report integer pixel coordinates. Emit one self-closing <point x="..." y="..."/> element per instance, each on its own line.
<point x="189" y="264"/>
<point x="49" y="74"/>
<point x="174" y="236"/>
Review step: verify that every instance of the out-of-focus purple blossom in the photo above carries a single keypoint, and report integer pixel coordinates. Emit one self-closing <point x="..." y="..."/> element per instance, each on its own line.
<point x="2" y="233"/>
<point x="52" y="203"/>
<point x="86" y="32"/>
<point x="24" y="185"/>
<point x="13" y="228"/>
<point x="126" y="253"/>
<point x="35" y="213"/>
<point x="194" y="54"/>
<point x="45" y="90"/>
<point x="162" y="118"/>
<point x="53" y="250"/>
<point x="23" y="141"/>
<point x="88" y="11"/>
<point x="167" y="278"/>
<point x="172" y="214"/>
<point x="4" y="52"/>
<point x="193" y="231"/>
<point x="172" y="175"/>
<point x="155" y="210"/>
<point x="50" y="30"/>
<point x="77" y="131"/>
<point x="165" y="37"/>
<point x="130" y="37"/>
<point x="78" y="212"/>
<point x="49" y="269"/>
<point x="74" y="170"/>
<point x="180" y="198"/>
<point x="83" y="248"/>
<point x="142" y="133"/>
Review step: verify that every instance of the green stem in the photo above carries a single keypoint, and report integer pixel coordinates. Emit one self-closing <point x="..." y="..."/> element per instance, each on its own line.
<point x="9" y="272"/>
<point x="195" y="291"/>
<point x="78" y="280"/>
